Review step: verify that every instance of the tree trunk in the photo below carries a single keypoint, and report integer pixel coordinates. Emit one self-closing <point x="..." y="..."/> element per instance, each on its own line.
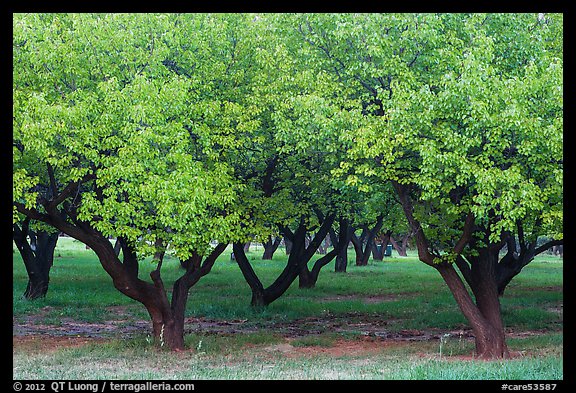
<point x="492" y="343"/>
<point x="38" y="258"/>
<point x="38" y="285"/>
<point x="341" y="242"/>
<point x="168" y="323"/>
<point x="166" y="332"/>
<point x="402" y="247"/>
<point x="358" y="249"/>
<point x="270" y="247"/>
<point x="364" y="245"/>
<point x="261" y="296"/>
<point x="382" y="241"/>
<point x="558" y="250"/>
<point x="249" y="275"/>
<point x="378" y="251"/>
<point x="297" y="261"/>
<point x="484" y="318"/>
<point x="513" y="262"/>
<point x="341" y="260"/>
<point x="305" y="279"/>
<point x="308" y="278"/>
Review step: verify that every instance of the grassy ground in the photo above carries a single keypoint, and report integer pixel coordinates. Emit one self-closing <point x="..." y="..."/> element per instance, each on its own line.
<point x="389" y="320"/>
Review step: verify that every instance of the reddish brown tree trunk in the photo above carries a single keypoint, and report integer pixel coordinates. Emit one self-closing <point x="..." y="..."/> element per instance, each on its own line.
<point x="401" y="247"/>
<point x="485" y="320"/>
<point x="484" y="316"/>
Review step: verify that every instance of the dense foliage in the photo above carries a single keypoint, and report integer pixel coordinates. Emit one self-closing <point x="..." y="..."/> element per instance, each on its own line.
<point x="187" y="132"/>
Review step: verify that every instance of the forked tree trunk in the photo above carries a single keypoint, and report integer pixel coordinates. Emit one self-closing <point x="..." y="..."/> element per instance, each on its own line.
<point x="364" y="244"/>
<point x="299" y="257"/>
<point x="515" y="260"/>
<point x="383" y="240"/>
<point x="308" y="278"/>
<point x="270" y="247"/>
<point x="305" y="279"/>
<point x="172" y="324"/>
<point x="484" y="317"/>
<point x="401" y="247"/>
<point x="261" y="296"/>
<point x="358" y="244"/>
<point x="38" y="258"/>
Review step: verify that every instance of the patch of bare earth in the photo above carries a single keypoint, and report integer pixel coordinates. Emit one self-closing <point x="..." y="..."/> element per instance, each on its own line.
<point x="43" y="343"/>
<point x="125" y="325"/>
<point x="372" y="333"/>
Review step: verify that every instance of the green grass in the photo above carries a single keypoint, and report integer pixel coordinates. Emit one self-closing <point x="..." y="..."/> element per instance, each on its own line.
<point x="215" y="360"/>
<point x="396" y="295"/>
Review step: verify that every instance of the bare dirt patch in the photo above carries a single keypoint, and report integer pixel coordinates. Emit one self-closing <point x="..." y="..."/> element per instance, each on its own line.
<point x="42" y="343"/>
<point x="362" y="325"/>
<point x="361" y="333"/>
<point x="71" y="328"/>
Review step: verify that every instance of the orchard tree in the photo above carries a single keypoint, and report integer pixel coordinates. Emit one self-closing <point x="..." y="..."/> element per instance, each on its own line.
<point x="120" y="123"/>
<point x="464" y="119"/>
<point x="286" y="163"/>
<point x="376" y="213"/>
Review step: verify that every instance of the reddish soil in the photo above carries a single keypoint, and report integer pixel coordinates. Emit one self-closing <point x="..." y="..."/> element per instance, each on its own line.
<point x="371" y="333"/>
<point x="38" y="343"/>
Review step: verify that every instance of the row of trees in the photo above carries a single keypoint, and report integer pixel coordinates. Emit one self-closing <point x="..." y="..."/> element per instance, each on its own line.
<point x="193" y="129"/>
<point x="37" y="245"/>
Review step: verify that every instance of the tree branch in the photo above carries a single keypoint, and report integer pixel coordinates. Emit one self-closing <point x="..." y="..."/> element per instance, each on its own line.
<point x="421" y="242"/>
<point x="209" y="261"/>
<point x="547" y="245"/>
<point x="466" y="234"/>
